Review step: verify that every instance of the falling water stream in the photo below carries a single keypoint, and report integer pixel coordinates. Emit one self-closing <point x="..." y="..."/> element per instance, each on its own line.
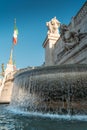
<point x="54" y="90"/>
<point x="47" y="98"/>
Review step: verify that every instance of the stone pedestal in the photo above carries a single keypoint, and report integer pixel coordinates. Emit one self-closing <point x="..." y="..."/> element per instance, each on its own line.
<point x="48" y="44"/>
<point x="51" y="39"/>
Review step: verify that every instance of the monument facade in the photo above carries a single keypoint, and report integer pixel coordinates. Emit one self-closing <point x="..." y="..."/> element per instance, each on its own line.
<point x="70" y="46"/>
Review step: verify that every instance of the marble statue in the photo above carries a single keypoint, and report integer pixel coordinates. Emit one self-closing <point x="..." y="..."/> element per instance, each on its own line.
<point x="53" y="26"/>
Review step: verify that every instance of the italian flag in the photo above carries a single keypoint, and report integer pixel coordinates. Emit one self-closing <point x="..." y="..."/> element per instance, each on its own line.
<point x="15" y="35"/>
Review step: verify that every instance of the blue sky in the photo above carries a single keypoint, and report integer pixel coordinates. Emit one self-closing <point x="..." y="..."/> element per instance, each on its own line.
<point x="31" y="16"/>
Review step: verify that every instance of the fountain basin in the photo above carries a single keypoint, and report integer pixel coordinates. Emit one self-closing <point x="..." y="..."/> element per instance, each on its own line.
<point x="54" y="89"/>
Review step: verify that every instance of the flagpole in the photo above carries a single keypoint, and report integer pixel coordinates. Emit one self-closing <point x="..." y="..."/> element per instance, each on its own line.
<point x="11" y="55"/>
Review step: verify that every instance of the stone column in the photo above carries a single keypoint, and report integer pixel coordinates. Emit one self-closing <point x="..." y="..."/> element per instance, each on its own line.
<point x="50" y="41"/>
<point x="49" y="49"/>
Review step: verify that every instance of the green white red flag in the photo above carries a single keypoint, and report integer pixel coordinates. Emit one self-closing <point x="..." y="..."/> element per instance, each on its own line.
<point x="15" y="34"/>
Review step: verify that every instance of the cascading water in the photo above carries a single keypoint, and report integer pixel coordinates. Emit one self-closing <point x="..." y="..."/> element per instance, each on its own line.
<point x="59" y="89"/>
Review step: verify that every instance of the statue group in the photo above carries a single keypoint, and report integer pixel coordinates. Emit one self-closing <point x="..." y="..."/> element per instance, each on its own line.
<point x="70" y="38"/>
<point x="53" y="26"/>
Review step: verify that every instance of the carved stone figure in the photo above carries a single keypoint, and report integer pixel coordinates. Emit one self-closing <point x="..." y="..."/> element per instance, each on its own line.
<point x="2" y="66"/>
<point x="69" y="38"/>
<point x="53" y="26"/>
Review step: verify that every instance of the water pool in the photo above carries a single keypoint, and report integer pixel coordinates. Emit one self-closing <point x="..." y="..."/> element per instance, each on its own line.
<point x="11" y="119"/>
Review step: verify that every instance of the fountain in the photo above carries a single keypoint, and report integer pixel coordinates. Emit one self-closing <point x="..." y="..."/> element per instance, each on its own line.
<point x="52" y="96"/>
<point x="53" y="89"/>
<point x="60" y="85"/>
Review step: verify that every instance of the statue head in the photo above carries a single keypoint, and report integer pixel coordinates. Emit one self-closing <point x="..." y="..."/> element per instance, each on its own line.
<point x="55" y="22"/>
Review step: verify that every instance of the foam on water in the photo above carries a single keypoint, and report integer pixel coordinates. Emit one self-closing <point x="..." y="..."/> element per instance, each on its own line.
<point x="48" y="115"/>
